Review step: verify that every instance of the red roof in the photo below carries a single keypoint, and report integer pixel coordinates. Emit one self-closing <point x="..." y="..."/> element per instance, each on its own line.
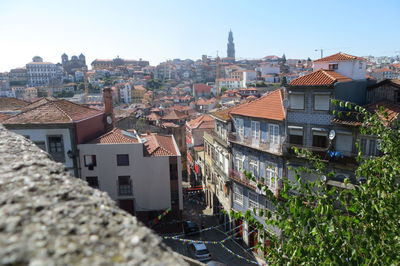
<point x="160" y="145"/>
<point x="116" y="136"/>
<point x="3" y="116"/>
<point x="52" y="112"/>
<point x="201" y="88"/>
<point x="174" y="115"/>
<point x="390" y="108"/>
<point x="153" y="117"/>
<point x="269" y="106"/>
<point x="320" y="77"/>
<point x="339" y="57"/>
<point x="12" y="104"/>
<point x="203" y="121"/>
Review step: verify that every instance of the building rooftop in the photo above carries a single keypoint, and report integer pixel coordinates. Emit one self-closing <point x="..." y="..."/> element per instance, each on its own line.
<point x="160" y="145"/>
<point x="270" y="106"/>
<point x="174" y="115"/>
<point x="204" y="121"/>
<point x="53" y="112"/>
<point x="116" y="136"/>
<point x="201" y="88"/>
<point x="321" y="77"/>
<point x="339" y="57"/>
<point x="12" y="104"/>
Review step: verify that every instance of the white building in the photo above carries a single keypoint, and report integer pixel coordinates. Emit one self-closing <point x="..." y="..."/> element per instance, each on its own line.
<point x="229" y="83"/>
<point x="142" y="173"/>
<point x="125" y="92"/>
<point x="268" y="68"/>
<point x="350" y="66"/>
<point x="43" y="73"/>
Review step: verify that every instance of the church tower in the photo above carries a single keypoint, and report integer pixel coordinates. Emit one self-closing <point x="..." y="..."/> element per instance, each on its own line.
<point x="231" y="46"/>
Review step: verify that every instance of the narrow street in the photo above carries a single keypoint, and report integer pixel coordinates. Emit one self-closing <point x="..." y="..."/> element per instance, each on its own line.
<point x="194" y="210"/>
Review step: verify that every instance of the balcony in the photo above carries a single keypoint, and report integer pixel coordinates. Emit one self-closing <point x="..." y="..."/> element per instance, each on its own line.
<point x="240" y="177"/>
<point x="218" y="139"/>
<point x="256" y="143"/>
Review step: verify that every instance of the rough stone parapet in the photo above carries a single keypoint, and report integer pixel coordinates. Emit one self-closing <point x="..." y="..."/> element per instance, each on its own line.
<point x="48" y="217"/>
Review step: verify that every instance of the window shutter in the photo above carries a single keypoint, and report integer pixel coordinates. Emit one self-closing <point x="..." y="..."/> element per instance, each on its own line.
<point x="344" y="142"/>
<point x="321" y="102"/>
<point x="296" y="101"/>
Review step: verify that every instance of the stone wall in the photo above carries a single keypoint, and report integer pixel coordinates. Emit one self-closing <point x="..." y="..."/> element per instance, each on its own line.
<point x="48" y="217"/>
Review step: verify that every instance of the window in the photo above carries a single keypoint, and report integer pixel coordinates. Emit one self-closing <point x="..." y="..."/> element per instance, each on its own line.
<point x="255" y="129"/>
<point x="296" y="101"/>
<point x="254" y="167"/>
<point x="320" y="137"/>
<point x="93" y="181"/>
<point x="274" y="134"/>
<point x="344" y="142"/>
<point x="90" y="161"/>
<point x="124" y="186"/>
<point x="321" y="102"/>
<point x="238" y="194"/>
<point x="56" y="148"/>
<point x="271" y="175"/>
<point x="240" y="125"/>
<point x="239" y="162"/>
<point x="122" y="159"/>
<point x="333" y="66"/>
<point x="295" y="135"/>
<point x="127" y="205"/>
<point x="368" y="147"/>
<point x="253" y="200"/>
<point x="40" y="144"/>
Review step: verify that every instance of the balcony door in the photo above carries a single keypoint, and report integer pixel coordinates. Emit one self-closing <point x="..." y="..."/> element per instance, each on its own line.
<point x="255" y="133"/>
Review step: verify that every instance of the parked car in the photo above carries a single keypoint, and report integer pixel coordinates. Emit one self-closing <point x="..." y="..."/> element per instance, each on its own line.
<point x="190" y="228"/>
<point x="200" y="251"/>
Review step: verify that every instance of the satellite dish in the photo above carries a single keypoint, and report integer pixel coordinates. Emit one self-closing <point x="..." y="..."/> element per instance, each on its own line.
<point x="332" y="134"/>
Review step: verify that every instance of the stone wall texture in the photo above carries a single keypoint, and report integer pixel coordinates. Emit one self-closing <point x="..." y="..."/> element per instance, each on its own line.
<point x="48" y="217"/>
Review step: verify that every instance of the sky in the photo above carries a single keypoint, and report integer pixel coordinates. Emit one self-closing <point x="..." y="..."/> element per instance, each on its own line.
<point x="158" y="30"/>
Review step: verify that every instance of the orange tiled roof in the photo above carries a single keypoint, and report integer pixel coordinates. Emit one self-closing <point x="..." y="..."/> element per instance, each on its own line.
<point x="159" y="145"/>
<point x="391" y="109"/>
<point x="116" y="136"/>
<point x="153" y="117"/>
<point x="321" y="77"/>
<point x="59" y="111"/>
<point x="269" y="106"/>
<point x="174" y="115"/>
<point x="169" y="124"/>
<point x="38" y="103"/>
<point x="224" y="114"/>
<point x="12" y="104"/>
<point x="339" y="57"/>
<point x="203" y="121"/>
<point x="201" y="88"/>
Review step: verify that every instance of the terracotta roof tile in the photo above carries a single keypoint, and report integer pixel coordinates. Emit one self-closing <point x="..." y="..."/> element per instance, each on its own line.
<point x="153" y="117"/>
<point x="391" y="109"/>
<point x="4" y="117"/>
<point x="12" y="104"/>
<point x="224" y="114"/>
<point x="339" y="57"/>
<point x="321" y="77"/>
<point x="269" y="106"/>
<point x="159" y="145"/>
<point x="203" y="121"/>
<point x="201" y="88"/>
<point x="59" y="111"/>
<point x="174" y="115"/>
<point x="116" y="136"/>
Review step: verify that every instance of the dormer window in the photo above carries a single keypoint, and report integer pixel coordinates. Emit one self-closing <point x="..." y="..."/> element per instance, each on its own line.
<point x="333" y="66"/>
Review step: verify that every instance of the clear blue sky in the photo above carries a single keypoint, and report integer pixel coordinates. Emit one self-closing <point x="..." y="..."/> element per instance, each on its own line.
<point x="157" y="30"/>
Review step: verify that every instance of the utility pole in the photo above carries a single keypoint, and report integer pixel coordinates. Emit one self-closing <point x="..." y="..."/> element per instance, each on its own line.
<point x="321" y="50"/>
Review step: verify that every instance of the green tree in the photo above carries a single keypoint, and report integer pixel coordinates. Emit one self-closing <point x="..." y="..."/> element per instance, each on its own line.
<point x="326" y="225"/>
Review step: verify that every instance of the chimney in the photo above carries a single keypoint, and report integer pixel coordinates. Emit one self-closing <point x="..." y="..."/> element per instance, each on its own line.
<point x="108" y="108"/>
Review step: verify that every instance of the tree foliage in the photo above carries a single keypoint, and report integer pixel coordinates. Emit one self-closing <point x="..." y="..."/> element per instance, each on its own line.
<point x="327" y="225"/>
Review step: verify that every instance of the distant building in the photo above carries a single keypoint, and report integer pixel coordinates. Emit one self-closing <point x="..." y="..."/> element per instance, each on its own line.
<point x="43" y="73"/>
<point x="201" y="90"/>
<point x="111" y="63"/>
<point x="18" y="77"/>
<point x="75" y="64"/>
<point x="231" y="46"/>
